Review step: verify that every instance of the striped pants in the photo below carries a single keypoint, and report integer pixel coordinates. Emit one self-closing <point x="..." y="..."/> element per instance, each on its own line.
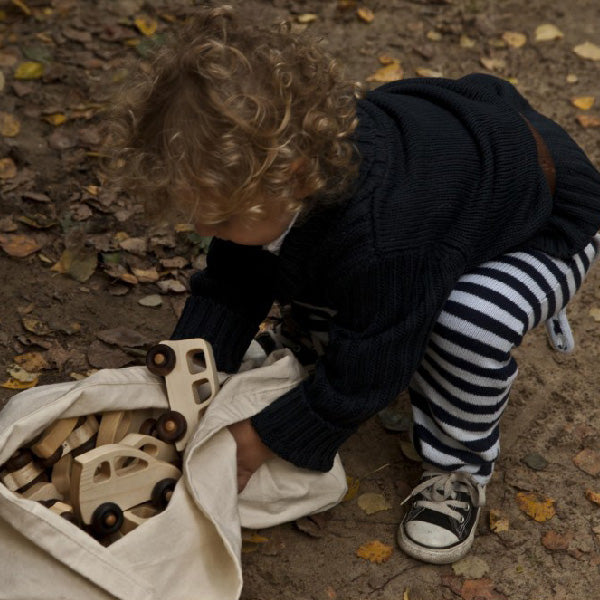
<point x="461" y="388"/>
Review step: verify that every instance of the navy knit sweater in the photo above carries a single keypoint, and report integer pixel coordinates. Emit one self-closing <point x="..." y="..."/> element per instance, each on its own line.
<point x="449" y="178"/>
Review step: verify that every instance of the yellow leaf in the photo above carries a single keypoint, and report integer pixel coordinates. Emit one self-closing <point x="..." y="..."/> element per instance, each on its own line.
<point x="588" y="51"/>
<point x="386" y="59"/>
<point x="146" y="25"/>
<point x="56" y="119"/>
<point x="583" y="102"/>
<point x="571" y="78"/>
<point x="253" y="537"/>
<point x="365" y="14"/>
<point x="145" y="275"/>
<point x="405" y="595"/>
<point x="307" y="18"/>
<point x="466" y="41"/>
<point x="29" y="70"/>
<point x="8" y="168"/>
<point x="514" y="39"/>
<point x="22" y="6"/>
<point x="375" y="551"/>
<point x="595" y="314"/>
<point x="9" y="125"/>
<point x="539" y="509"/>
<point x="391" y="72"/>
<point x="548" y="33"/>
<point x="434" y="36"/>
<point x="15" y="384"/>
<point x="353" y="485"/>
<point x="32" y="361"/>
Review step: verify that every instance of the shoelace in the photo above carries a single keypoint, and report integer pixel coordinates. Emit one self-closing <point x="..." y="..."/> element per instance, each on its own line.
<point x="440" y="490"/>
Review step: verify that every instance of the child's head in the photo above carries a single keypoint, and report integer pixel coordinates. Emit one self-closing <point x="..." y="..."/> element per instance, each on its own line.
<point x="232" y="117"/>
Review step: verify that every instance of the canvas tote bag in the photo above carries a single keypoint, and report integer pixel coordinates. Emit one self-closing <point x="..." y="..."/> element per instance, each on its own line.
<point x="190" y="551"/>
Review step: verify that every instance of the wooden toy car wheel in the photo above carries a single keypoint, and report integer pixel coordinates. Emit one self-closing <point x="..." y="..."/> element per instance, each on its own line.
<point x="162" y="492"/>
<point x="148" y="427"/>
<point x="107" y="519"/>
<point x="171" y="426"/>
<point x="160" y="360"/>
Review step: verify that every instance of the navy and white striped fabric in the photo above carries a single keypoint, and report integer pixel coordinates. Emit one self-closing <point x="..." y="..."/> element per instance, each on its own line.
<point x="462" y="386"/>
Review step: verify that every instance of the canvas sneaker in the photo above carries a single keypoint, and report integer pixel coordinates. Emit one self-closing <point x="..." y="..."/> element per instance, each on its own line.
<point x="440" y="523"/>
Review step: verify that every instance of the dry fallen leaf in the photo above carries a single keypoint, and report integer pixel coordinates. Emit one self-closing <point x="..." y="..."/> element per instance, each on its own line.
<point x="498" y="521"/>
<point x="35" y="326"/>
<point x="307" y="18"/>
<point x="56" y="119"/>
<point x="29" y="70"/>
<point x="9" y="124"/>
<point x="493" y="64"/>
<point x="539" y="509"/>
<point x="171" y="285"/>
<point x="588" y="51"/>
<point x="479" y="589"/>
<point x="548" y="33"/>
<point x="593" y="496"/>
<point x="390" y="72"/>
<point x="375" y="551"/>
<point x="552" y="540"/>
<point x="8" y="169"/>
<point x="371" y="503"/>
<point x="365" y="14"/>
<point x="18" y="245"/>
<point x="146" y="25"/>
<point x="571" y="78"/>
<point x="466" y="41"/>
<point x="79" y="263"/>
<point x="583" y="102"/>
<point x="15" y="384"/>
<point x="425" y="72"/>
<point x="514" y="39"/>
<point x="588" y="461"/>
<point x="32" y="361"/>
<point x="587" y="121"/>
<point x="353" y="485"/>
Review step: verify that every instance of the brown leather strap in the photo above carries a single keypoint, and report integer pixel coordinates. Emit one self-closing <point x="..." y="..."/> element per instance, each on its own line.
<point x="544" y="157"/>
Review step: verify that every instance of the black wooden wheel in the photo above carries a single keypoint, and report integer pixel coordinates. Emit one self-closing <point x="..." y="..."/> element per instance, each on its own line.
<point x="171" y="426"/>
<point x="107" y="519"/>
<point x="161" y="494"/>
<point x="160" y="360"/>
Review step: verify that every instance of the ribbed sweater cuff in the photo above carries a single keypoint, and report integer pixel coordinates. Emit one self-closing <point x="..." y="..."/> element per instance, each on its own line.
<point x="229" y="332"/>
<point x="291" y="429"/>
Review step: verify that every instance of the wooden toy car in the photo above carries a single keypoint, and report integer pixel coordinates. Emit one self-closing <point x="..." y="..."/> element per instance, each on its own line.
<point x="114" y="477"/>
<point x="153" y="446"/>
<point x="115" y="425"/>
<point x="192" y="382"/>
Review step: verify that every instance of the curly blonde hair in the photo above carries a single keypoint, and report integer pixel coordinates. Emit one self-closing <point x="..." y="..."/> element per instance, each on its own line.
<point x="230" y="116"/>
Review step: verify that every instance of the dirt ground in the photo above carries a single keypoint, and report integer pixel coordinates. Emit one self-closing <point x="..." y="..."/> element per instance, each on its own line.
<point x="50" y="193"/>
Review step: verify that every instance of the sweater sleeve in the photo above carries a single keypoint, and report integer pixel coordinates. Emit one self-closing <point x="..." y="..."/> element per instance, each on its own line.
<point x="229" y="299"/>
<point x="377" y="340"/>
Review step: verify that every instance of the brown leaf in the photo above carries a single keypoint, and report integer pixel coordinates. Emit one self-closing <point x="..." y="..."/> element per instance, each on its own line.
<point x="171" y="285"/>
<point x="375" y="551"/>
<point x="32" y="361"/>
<point x="29" y="70"/>
<point x="557" y="541"/>
<point x="104" y="357"/>
<point x="15" y="384"/>
<point x="588" y="461"/>
<point x="79" y="263"/>
<point x="587" y="121"/>
<point x="145" y="275"/>
<point x="124" y="337"/>
<point x="480" y="589"/>
<point x="19" y="245"/>
<point x="548" y="33"/>
<point x="146" y="25"/>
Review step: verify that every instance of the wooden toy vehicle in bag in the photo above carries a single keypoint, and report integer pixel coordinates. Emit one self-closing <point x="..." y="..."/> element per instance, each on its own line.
<point x="112" y="478"/>
<point x="192" y="382"/>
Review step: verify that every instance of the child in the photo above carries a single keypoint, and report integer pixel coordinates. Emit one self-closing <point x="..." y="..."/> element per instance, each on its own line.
<point x="429" y="225"/>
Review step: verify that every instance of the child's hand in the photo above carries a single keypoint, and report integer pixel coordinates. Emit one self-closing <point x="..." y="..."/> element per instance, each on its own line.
<point x="251" y="452"/>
